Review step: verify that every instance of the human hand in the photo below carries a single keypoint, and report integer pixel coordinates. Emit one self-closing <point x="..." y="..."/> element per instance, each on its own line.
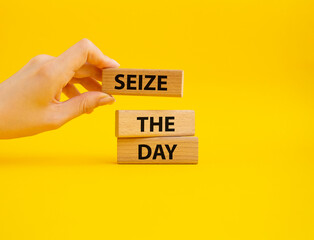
<point x="30" y="99"/>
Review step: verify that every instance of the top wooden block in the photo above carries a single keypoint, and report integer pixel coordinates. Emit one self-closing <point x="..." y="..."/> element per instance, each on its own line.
<point x="142" y="82"/>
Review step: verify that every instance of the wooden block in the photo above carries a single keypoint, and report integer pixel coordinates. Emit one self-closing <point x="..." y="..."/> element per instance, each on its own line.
<point x="152" y="123"/>
<point x="158" y="150"/>
<point x="142" y="82"/>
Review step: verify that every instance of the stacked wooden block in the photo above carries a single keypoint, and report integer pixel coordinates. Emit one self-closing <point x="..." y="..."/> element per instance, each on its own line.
<point x="152" y="136"/>
<point x="156" y="136"/>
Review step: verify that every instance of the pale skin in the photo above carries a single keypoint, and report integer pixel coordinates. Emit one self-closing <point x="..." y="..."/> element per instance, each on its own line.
<point x="30" y="99"/>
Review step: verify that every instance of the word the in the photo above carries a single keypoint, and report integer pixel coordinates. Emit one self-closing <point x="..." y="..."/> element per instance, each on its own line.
<point x="157" y="152"/>
<point x="135" y="82"/>
<point x="158" y="123"/>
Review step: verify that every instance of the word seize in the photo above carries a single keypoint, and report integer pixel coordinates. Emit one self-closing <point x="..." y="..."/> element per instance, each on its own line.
<point x="142" y="82"/>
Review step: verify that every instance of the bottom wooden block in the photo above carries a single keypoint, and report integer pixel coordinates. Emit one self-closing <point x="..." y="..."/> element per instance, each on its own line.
<point x="158" y="150"/>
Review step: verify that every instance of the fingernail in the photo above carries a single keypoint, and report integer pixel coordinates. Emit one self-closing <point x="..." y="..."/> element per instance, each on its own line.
<point x="115" y="62"/>
<point x="104" y="95"/>
<point x="106" y="100"/>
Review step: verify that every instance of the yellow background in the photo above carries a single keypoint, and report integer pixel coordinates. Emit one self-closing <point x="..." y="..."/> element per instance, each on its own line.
<point x="249" y="75"/>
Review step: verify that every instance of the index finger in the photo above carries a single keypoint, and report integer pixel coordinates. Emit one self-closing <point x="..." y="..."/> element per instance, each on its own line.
<point x="80" y="53"/>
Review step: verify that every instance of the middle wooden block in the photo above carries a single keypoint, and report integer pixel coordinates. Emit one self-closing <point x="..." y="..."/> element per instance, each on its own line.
<point x="152" y="123"/>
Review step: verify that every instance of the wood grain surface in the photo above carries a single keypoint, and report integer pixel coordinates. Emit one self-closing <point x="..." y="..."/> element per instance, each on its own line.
<point x="158" y="150"/>
<point x="152" y="123"/>
<point x="143" y="82"/>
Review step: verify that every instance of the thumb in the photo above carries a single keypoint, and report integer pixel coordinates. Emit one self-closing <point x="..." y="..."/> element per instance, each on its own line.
<point x="84" y="103"/>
